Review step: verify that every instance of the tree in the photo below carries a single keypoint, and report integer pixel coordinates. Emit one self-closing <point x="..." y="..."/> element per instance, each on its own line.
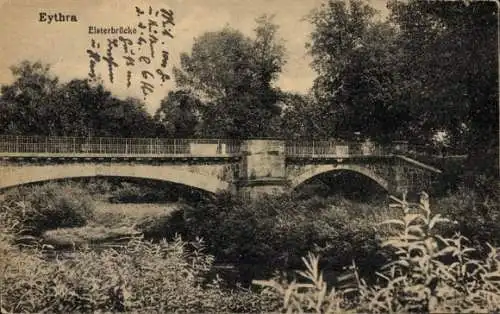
<point x="178" y="115"/>
<point x="367" y="96"/>
<point x="451" y="81"/>
<point x="300" y="117"/>
<point x="217" y="66"/>
<point x="37" y="104"/>
<point x="338" y="30"/>
<point x="353" y="55"/>
<point x="452" y="49"/>
<point x="125" y="118"/>
<point x="233" y="75"/>
<point x="26" y="105"/>
<point x="432" y="68"/>
<point x="269" y="58"/>
<point x="81" y="106"/>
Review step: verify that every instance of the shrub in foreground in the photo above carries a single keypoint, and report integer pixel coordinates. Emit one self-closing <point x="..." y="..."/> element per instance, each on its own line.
<point x="477" y="217"/>
<point x="141" y="276"/>
<point x="431" y="274"/>
<point x="49" y="206"/>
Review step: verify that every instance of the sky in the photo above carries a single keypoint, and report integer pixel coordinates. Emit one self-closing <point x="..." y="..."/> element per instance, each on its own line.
<point x="64" y="45"/>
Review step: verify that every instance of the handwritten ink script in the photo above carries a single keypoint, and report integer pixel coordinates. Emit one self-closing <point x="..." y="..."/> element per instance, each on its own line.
<point x="142" y="51"/>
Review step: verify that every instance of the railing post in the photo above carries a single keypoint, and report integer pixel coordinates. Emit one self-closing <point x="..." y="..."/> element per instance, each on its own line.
<point x="17" y="144"/>
<point x="74" y="146"/>
<point x="126" y="146"/>
<point x="100" y="145"/>
<point x="174" y="145"/>
<point x="46" y="144"/>
<point x="151" y="146"/>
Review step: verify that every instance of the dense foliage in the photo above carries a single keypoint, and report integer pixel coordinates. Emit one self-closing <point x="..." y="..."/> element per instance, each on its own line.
<point x="144" y="277"/>
<point x="40" y="208"/>
<point x="179" y="114"/>
<point x="474" y="216"/>
<point x="421" y="264"/>
<point x="404" y="76"/>
<point x="356" y="85"/>
<point x="37" y="104"/>
<point x="232" y="75"/>
<point x="135" y="276"/>
<point x="274" y="233"/>
<point x="430" y="273"/>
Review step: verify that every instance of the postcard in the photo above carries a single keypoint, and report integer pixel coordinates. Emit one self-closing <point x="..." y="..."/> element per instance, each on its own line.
<point x="230" y="156"/>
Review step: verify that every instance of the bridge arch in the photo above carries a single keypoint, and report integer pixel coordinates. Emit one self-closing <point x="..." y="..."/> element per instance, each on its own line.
<point x="32" y="174"/>
<point x="320" y="169"/>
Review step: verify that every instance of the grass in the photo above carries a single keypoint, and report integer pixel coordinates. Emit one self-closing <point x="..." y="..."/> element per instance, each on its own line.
<point x="123" y="214"/>
<point x="85" y="236"/>
<point x="48" y="206"/>
<point x="69" y="215"/>
<point x="132" y="210"/>
<point x="132" y="275"/>
<point x="111" y="223"/>
<point x="140" y="277"/>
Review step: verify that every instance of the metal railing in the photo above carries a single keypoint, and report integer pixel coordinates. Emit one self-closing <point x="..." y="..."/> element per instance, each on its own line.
<point x="39" y="145"/>
<point x="116" y="146"/>
<point x="356" y="149"/>
<point x="342" y="149"/>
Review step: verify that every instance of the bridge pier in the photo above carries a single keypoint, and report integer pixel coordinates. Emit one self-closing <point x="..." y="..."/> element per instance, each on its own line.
<point x="262" y="169"/>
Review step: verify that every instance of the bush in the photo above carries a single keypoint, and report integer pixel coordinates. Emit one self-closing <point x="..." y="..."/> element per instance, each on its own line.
<point x="275" y="232"/>
<point x="49" y="206"/>
<point x="141" y="191"/>
<point x="98" y="186"/>
<point x="311" y="296"/>
<point x="128" y="193"/>
<point x="433" y="273"/>
<point x="165" y="226"/>
<point x="475" y="217"/>
<point x="140" y="276"/>
<point x="430" y="274"/>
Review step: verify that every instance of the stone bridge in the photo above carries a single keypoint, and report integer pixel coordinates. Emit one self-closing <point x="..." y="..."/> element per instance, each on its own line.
<point x="250" y="167"/>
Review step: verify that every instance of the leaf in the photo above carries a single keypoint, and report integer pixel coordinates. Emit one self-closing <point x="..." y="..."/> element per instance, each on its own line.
<point x="418" y="247"/>
<point x="393" y="221"/>
<point x="443" y="240"/>
<point x="400" y="262"/>
<point x="437" y="219"/>
<point x="446" y="251"/>
<point x="321" y="296"/>
<point x="409" y="218"/>
<point x="395" y="242"/>
<point x="269" y="283"/>
<point x="467" y="250"/>
<point x="416" y="229"/>
<point x="288" y="294"/>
